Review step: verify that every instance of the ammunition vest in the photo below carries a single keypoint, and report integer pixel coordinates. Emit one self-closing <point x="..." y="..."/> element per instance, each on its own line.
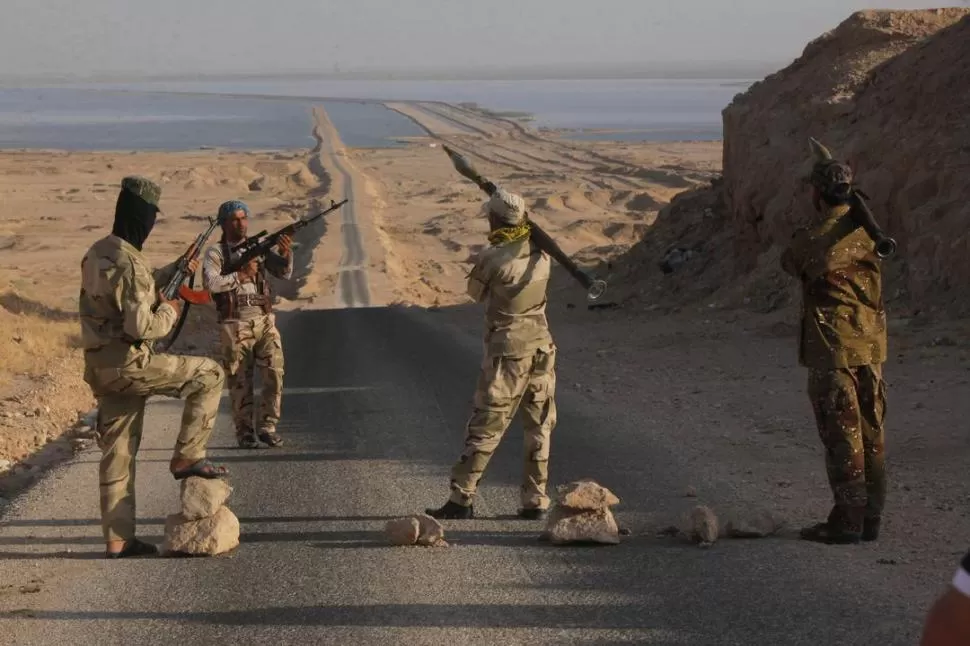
<point x="228" y="303"/>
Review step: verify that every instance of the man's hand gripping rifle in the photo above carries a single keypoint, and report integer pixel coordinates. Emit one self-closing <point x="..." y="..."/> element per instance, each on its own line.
<point x="257" y="246"/>
<point x="175" y="287"/>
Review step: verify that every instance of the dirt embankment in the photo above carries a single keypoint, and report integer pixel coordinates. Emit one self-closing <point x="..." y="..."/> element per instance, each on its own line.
<point x="885" y="90"/>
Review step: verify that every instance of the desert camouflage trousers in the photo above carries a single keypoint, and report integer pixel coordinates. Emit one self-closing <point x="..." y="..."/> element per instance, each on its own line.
<point x="121" y="393"/>
<point x="505" y="385"/>
<point x="850" y="406"/>
<point x="245" y="344"/>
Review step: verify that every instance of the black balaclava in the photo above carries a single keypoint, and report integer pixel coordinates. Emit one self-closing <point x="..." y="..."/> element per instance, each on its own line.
<point x="134" y="218"/>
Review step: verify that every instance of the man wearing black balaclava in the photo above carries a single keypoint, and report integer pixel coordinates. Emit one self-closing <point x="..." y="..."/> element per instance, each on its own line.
<point x="843" y="344"/>
<point x="122" y="314"/>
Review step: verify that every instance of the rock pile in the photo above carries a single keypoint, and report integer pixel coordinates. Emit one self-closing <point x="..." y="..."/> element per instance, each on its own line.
<point x="205" y="526"/>
<point x="419" y="529"/>
<point x="582" y="514"/>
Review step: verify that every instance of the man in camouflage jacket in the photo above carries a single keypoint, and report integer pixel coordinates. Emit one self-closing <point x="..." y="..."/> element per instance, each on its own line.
<point x="122" y="315"/>
<point x="842" y="342"/>
<point x="250" y="338"/>
<point x="518" y="367"/>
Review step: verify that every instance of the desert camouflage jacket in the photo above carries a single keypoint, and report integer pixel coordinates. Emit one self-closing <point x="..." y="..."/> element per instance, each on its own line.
<point x="116" y="303"/>
<point x="511" y="280"/>
<point x="843" y="317"/>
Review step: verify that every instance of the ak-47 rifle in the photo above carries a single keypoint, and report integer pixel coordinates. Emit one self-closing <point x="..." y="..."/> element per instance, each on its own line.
<point x="257" y="246"/>
<point x="595" y="287"/>
<point x="176" y="287"/>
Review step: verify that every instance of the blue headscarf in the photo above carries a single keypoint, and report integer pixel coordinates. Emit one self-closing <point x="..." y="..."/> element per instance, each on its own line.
<point x="226" y="209"/>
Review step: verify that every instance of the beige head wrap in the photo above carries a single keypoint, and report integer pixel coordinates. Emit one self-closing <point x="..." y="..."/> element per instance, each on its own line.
<point x="508" y="207"/>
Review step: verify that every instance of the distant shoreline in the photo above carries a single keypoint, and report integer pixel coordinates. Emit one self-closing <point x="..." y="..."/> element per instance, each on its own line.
<point x="703" y="128"/>
<point x="753" y="71"/>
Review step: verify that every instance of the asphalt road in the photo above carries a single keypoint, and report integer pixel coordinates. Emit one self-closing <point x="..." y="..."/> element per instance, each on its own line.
<point x="373" y="414"/>
<point x="352" y="288"/>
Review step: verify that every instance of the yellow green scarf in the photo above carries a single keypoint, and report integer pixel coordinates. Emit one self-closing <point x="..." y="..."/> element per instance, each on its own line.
<point x="505" y="235"/>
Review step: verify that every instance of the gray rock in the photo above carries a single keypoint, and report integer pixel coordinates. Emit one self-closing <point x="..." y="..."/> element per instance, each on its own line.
<point x="703" y="526"/>
<point x="758" y="525"/>
<point x="207" y="537"/>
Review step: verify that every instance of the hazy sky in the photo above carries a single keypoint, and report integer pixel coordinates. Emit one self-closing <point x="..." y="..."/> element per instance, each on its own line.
<point x="205" y="36"/>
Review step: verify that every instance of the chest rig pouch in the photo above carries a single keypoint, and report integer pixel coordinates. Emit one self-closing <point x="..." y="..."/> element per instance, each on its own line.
<point x="228" y="303"/>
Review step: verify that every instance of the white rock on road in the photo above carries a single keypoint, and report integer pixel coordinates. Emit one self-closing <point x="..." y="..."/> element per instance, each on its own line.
<point x="566" y="525"/>
<point x="203" y="497"/>
<point x="207" y="537"/>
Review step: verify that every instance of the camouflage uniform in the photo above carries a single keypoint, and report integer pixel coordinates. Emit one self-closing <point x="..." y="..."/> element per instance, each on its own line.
<point x="518" y="366"/>
<point x="843" y="344"/>
<point x="249" y="336"/>
<point x="118" y="326"/>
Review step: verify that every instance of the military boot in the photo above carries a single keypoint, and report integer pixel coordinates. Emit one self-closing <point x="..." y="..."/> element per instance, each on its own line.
<point x="870" y="529"/>
<point x="533" y="513"/>
<point x="133" y="548"/>
<point x="836" y="530"/>
<point x="452" y="510"/>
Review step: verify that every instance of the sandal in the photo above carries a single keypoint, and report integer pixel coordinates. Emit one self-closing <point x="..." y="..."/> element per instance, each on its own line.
<point x="202" y="469"/>
<point x="271" y="438"/>
<point x="133" y="547"/>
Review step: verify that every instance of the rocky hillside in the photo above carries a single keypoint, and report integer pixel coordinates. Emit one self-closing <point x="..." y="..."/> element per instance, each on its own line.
<point x="887" y="90"/>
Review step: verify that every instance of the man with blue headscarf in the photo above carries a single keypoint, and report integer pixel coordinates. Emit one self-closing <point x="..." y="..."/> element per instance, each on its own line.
<point x="244" y="304"/>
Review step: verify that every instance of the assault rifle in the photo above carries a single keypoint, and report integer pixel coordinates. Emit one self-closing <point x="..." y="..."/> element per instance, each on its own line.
<point x="257" y="246"/>
<point x="174" y="287"/>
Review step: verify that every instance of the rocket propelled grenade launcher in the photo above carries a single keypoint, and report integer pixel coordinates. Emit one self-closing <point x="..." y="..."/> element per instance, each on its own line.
<point x="861" y="213"/>
<point x="595" y="287"/>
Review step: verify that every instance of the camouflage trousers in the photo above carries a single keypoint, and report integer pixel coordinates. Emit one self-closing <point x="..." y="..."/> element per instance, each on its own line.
<point x="246" y="344"/>
<point x="850" y="406"/>
<point x="121" y="394"/>
<point x="506" y="383"/>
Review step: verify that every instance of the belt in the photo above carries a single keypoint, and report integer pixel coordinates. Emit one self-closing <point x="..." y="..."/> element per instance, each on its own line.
<point x="244" y="300"/>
